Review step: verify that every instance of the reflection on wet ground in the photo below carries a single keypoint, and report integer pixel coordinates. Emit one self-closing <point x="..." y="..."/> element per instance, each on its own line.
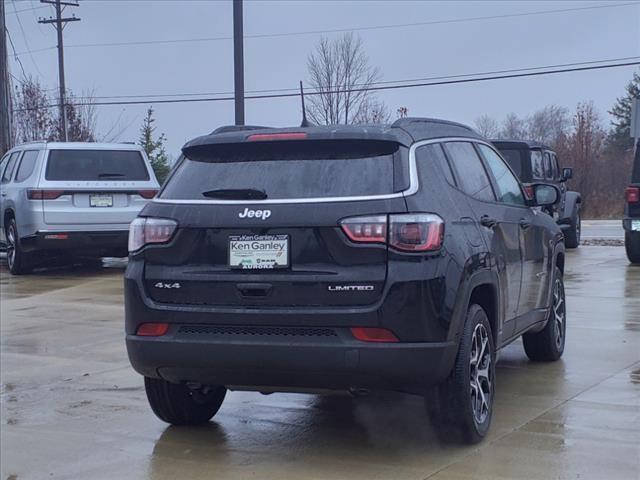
<point x="71" y="407"/>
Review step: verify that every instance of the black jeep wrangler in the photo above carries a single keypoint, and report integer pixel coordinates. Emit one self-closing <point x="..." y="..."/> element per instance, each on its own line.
<point x="631" y="221"/>
<point x="534" y="162"/>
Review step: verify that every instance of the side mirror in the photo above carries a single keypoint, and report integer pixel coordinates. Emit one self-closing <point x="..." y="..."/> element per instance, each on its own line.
<point x="544" y="195"/>
<point x="567" y="174"/>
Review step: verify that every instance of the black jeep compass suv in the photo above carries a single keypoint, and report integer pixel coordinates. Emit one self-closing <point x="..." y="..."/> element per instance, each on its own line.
<point x="393" y="257"/>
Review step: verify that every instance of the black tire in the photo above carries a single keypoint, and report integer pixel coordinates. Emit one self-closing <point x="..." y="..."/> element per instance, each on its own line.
<point x="17" y="260"/>
<point x="177" y="404"/>
<point x="548" y="344"/>
<point x="572" y="234"/>
<point x="452" y="406"/>
<point x="632" y="246"/>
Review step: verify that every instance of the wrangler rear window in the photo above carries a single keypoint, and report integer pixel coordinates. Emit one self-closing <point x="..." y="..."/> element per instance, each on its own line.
<point x="96" y="165"/>
<point x="290" y="170"/>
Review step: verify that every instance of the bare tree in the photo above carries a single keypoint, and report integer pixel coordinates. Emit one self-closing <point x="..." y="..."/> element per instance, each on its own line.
<point x="549" y="124"/>
<point x="513" y="127"/>
<point x="32" y="117"/>
<point x="372" y="111"/>
<point x="35" y="120"/>
<point x="487" y="126"/>
<point x="340" y="73"/>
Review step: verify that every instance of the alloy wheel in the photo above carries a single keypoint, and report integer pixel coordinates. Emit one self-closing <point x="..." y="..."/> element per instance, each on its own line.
<point x="558" y="312"/>
<point x="481" y="374"/>
<point x="11" y="245"/>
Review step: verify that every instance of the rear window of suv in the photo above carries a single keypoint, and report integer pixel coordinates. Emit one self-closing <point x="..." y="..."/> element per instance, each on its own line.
<point x="96" y="165"/>
<point x="514" y="157"/>
<point x="291" y="170"/>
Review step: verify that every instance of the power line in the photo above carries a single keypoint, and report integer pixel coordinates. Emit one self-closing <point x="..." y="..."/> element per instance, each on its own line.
<point x="385" y="82"/>
<point x="27" y="9"/>
<point x="361" y="89"/>
<point x="15" y="55"/>
<point x="24" y="36"/>
<point x="342" y="30"/>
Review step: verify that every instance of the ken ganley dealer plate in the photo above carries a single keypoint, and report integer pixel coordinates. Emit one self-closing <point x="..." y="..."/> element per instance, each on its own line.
<point x="258" y="251"/>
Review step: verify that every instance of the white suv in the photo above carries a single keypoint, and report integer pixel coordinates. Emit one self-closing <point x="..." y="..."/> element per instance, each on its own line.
<point x="73" y="198"/>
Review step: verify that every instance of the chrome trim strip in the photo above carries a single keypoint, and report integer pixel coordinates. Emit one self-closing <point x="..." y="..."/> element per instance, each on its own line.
<point x="412" y="190"/>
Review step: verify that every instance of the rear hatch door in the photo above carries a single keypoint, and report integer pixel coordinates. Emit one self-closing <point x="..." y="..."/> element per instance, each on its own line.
<point x="95" y="186"/>
<point x="286" y="249"/>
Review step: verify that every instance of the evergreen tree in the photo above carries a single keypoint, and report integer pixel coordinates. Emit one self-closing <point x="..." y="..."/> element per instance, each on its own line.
<point x="621" y="112"/>
<point x="154" y="149"/>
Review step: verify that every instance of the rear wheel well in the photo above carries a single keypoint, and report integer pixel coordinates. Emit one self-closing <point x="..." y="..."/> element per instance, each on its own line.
<point x="485" y="296"/>
<point x="8" y="215"/>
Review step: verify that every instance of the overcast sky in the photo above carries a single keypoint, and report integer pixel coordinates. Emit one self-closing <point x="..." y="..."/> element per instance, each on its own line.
<point x="406" y="52"/>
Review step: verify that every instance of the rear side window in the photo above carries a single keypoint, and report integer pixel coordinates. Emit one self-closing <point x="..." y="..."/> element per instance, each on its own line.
<point x="537" y="167"/>
<point x="289" y="170"/>
<point x="548" y="169"/>
<point x="429" y="155"/>
<point x="471" y="174"/>
<point x="11" y="165"/>
<point x="27" y="165"/>
<point x="96" y="165"/>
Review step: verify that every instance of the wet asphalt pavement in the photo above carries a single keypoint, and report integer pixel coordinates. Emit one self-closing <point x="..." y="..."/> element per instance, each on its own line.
<point x="71" y="407"/>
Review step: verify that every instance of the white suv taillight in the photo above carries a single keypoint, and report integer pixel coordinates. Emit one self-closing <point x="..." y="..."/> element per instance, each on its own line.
<point x="413" y="232"/>
<point x="145" y="231"/>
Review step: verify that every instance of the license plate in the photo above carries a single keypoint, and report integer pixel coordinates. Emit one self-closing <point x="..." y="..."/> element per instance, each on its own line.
<point x="101" y="200"/>
<point x="635" y="225"/>
<point x="255" y="252"/>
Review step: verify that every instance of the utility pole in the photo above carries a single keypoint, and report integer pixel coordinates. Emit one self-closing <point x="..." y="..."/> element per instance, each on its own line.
<point x="5" y="94"/>
<point x="59" y="24"/>
<point x="238" y="61"/>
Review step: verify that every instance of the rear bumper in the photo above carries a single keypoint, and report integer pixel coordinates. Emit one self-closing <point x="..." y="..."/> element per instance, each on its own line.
<point x="272" y="362"/>
<point x="99" y="242"/>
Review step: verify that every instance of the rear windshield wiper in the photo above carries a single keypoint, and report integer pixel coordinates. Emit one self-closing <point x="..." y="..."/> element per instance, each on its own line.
<point x="237" y="194"/>
<point x="105" y="175"/>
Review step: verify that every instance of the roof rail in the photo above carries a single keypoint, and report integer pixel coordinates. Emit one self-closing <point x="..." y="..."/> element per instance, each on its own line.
<point x="237" y="128"/>
<point x="30" y="142"/>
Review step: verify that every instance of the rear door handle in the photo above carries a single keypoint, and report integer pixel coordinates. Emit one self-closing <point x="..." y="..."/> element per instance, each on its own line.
<point x="487" y="221"/>
<point x="524" y="223"/>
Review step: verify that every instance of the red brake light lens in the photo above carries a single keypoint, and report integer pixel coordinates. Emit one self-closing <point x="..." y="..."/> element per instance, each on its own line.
<point x="145" y="231"/>
<point x="152" y="329"/>
<point x="366" y="334"/>
<point x="268" y="137"/>
<point x="632" y="194"/>
<point x="366" y="229"/>
<point x="39" y="194"/>
<point x="148" y="194"/>
<point x="419" y="232"/>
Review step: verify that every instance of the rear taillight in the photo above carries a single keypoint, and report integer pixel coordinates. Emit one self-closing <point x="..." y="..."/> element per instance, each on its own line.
<point x="145" y="231"/>
<point x="39" y="194"/>
<point x="416" y="232"/>
<point x="148" y="194"/>
<point x="632" y="194"/>
<point x="366" y="229"/>
<point x="152" y="329"/>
